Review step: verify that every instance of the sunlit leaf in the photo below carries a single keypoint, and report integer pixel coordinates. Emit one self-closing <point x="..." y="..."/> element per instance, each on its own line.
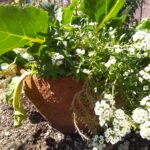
<point x="20" y="27"/>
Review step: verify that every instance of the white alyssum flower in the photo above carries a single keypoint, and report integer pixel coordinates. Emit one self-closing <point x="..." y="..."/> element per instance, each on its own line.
<point x="139" y="35"/>
<point x="112" y="32"/>
<point x="109" y="98"/>
<point x="104" y="111"/>
<point x="145" y="88"/>
<point x="105" y="117"/>
<point x="145" y="101"/>
<point x="119" y="114"/>
<point x="140" y="115"/>
<point x="86" y="71"/>
<point x="111" y="136"/>
<point x="27" y="56"/>
<point x="131" y="50"/>
<point x="80" y="51"/>
<point x="145" y="130"/>
<point x="141" y="40"/>
<point x="98" y="110"/>
<point x="145" y="73"/>
<point x="117" y="49"/>
<point x="147" y="68"/>
<point x="112" y="60"/>
<point x="90" y="54"/>
<point x="57" y="59"/>
<point x="98" y="142"/>
<point x="122" y="127"/>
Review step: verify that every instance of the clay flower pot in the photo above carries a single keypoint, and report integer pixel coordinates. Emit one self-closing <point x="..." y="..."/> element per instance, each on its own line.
<point x="53" y="98"/>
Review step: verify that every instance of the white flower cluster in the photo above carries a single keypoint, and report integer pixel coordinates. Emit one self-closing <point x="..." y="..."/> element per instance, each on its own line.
<point x="141" y="116"/>
<point x="111" y="136"/>
<point x="104" y="109"/>
<point x="145" y="101"/>
<point x="80" y="51"/>
<point x="141" y="39"/>
<point x="57" y="59"/>
<point x="98" y="143"/>
<point x="145" y="130"/>
<point x="145" y="74"/>
<point x="109" y="114"/>
<point x="121" y="127"/>
<point x="111" y="61"/>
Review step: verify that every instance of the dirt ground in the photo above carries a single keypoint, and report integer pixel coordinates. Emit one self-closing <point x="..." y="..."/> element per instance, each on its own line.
<point x="35" y="134"/>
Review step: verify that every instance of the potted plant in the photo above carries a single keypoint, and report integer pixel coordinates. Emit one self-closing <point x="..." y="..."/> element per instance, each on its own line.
<point x="79" y="61"/>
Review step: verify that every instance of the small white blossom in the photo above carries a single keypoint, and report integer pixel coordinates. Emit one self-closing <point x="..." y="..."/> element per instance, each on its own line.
<point x="104" y="111"/>
<point x="57" y="59"/>
<point x="111" y="136"/>
<point x="112" y="60"/>
<point x="86" y="71"/>
<point x="98" y="142"/>
<point x="80" y="51"/>
<point x="139" y="35"/>
<point x="119" y="114"/>
<point x="147" y="69"/>
<point x="140" y="115"/>
<point x="121" y="127"/>
<point x="145" y="101"/>
<point x="131" y="50"/>
<point x="145" y="88"/>
<point x="145" y="130"/>
<point x="118" y="49"/>
<point x="145" y="75"/>
<point x="108" y="96"/>
<point x="91" y="54"/>
<point x="98" y="110"/>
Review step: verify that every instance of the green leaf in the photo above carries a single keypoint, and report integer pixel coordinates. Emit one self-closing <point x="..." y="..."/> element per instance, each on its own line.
<point x="101" y="11"/>
<point x="10" y="91"/>
<point x="145" y="24"/>
<point x="19" y="114"/>
<point x="21" y="27"/>
<point x="118" y="4"/>
<point x="68" y="12"/>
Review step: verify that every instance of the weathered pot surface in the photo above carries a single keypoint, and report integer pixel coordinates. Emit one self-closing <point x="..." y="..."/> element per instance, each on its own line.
<point x="53" y="98"/>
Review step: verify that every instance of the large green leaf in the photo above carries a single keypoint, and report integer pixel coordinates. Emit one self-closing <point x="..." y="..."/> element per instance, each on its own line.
<point x="118" y="4"/>
<point x="19" y="27"/>
<point x="101" y="11"/>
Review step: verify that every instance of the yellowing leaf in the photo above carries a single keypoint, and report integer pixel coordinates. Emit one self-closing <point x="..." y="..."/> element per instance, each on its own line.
<point x="19" y="114"/>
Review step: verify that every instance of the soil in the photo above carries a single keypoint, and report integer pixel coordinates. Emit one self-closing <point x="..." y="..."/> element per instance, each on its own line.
<point x="35" y="133"/>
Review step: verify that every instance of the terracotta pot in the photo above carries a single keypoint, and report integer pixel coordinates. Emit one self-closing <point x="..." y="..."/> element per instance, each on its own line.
<point x="53" y="98"/>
